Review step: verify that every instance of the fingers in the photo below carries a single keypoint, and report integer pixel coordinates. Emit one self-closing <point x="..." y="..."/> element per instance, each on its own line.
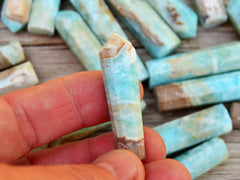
<point x="118" y="164"/>
<point x="154" y="146"/>
<point x="61" y="172"/>
<point x="88" y="150"/>
<point x="81" y="152"/>
<point x="122" y="164"/>
<point x="35" y="116"/>
<point x="166" y="169"/>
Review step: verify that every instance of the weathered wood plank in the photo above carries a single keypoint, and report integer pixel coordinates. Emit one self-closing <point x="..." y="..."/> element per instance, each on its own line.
<point x="52" y="62"/>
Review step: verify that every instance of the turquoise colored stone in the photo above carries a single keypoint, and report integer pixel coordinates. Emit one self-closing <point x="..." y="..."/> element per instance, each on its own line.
<point x="80" y="39"/>
<point x="146" y="25"/>
<point x="159" y="68"/>
<point x="42" y="17"/>
<point x="202" y="91"/>
<point x="204" y="157"/>
<point x="17" y="77"/>
<point x="102" y="22"/>
<point x="234" y="13"/>
<point x="211" y="12"/>
<point x="204" y="62"/>
<point x="15" y="14"/>
<point x="99" y="18"/>
<point x="11" y="54"/>
<point x="181" y="18"/>
<point x="195" y="128"/>
<point x="119" y="69"/>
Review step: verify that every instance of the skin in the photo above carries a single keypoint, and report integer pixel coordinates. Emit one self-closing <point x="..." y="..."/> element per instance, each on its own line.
<point x="35" y="116"/>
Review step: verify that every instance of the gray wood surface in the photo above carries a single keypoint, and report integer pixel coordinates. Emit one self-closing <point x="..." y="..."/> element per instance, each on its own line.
<point x="52" y="58"/>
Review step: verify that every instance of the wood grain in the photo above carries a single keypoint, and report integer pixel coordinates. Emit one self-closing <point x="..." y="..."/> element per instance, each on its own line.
<point x="52" y="58"/>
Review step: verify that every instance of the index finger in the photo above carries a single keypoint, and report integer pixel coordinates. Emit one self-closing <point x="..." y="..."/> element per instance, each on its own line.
<point x="35" y="116"/>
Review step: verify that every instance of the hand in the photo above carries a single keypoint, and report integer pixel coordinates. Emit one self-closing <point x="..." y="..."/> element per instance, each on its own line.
<point x="35" y="116"/>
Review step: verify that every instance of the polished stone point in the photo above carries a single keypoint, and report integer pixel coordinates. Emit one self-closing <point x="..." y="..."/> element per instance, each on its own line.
<point x="18" y="77"/>
<point x="195" y="128"/>
<point x="198" y="92"/>
<point x="99" y="18"/>
<point x="42" y="17"/>
<point x="80" y="39"/>
<point x="80" y="134"/>
<point x="234" y="14"/>
<point x="203" y="62"/>
<point x="211" y="12"/>
<point x="119" y="69"/>
<point x="146" y="25"/>
<point x="181" y="18"/>
<point x="204" y="157"/>
<point x="235" y="115"/>
<point x="102" y="22"/>
<point x="15" y="14"/>
<point x="11" y="55"/>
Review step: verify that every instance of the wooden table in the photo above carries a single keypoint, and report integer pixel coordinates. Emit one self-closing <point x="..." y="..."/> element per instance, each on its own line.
<point x="52" y="58"/>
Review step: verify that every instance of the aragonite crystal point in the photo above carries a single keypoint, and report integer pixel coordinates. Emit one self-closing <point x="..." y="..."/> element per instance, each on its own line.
<point x="234" y="13"/>
<point x="195" y="128"/>
<point x="203" y="62"/>
<point x="146" y="25"/>
<point x="181" y="18"/>
<point x="118" y="62"/>
<point x="15" y="14"/>
<point x="197" y="92"/>
<point x="211" y="12"/>
<point x="80" y="134"/>
<point x="102" y="22"/>
<point x="99" y="18"/>
<point x="11" y="54"/>
<point x="42" y="17"/>
<point x="235" y="115"/>
<point x="204" y="157"/>
<point x="18" y="77"/>
<point x="80" y="39"/>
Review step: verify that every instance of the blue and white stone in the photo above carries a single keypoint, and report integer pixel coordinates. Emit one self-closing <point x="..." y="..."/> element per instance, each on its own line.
<point x="80" y="39"/>
<point x="146" y="25"/>
<point x="204" y="62"/>
<point x="234" y="14"/>
<point x="211" y="12"/>
<point x="198" y="92"/>
<point x="119" y="69"/>
<point x="102" y="22"/>
<point x="18" y="77"/>
<point x="15" y="14"/>
<point x="43" y="16"/>
<point x="181" y="18"/>
<point x="195" y="128"/>
<point x="11" y="55"/>
<point x="204" y="157"/>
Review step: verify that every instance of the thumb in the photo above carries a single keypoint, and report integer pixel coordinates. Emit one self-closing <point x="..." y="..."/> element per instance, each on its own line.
<point x="123" y="164"/>
<point x="117" y="164"/>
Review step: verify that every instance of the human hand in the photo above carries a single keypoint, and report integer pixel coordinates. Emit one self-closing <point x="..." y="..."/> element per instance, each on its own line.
<point x="32" y="117"/>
